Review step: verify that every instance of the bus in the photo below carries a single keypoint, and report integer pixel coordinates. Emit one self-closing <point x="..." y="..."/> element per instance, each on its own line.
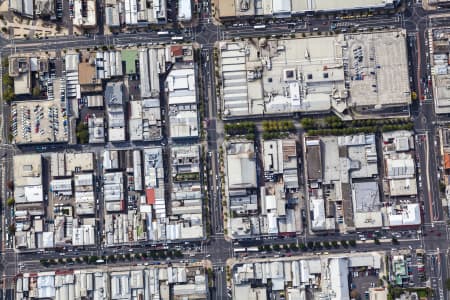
<point x="239" y="250"/>
<point x="252" y="249"/>
<point x="177" y="38"/>
<point x="163" y="33"/>
<point x="259" y="27"/>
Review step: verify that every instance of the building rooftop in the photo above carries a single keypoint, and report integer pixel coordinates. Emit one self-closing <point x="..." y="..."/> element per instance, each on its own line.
<point x="229" y="9"/>
<point x="339" y="278"/>
<point x="401" y="167"/>
<point x="226" y="8"/>
<point x="397" y="141"/>
<point x="404" y="215"/>
<point x="96" y="128"/>
<point x="336" y="5"/>
<point x="440" y="79"/>
<point x="184" y="124"/>
<point x="241" y="166"/>
<point x="184" y="10"/>
<point x="374" y="61"/>
<point x="79" y="162"/>
<point x="367" y="196"/>
<point x="181" y="86"/>
<point x="114" y="101"/>
<point x="187" y="281"/>
<point x="27" y="170"/>
<point x="22" y="84"/>
<point x="151" y="65"/>
<point x="314" y="159"/>
<point x="84" y="13"/>
<point x="185" y="159"/>
<point x="145" y="120"/>
<point x="279" y="68"/>
<point x="182" y="97"/>
<point x="336" y="191"/>
<point x="327" y="273"/>
<point x="29" y="194"/>
<point x="270" y="76"/>
<point x="23" y="7"/>
<point x="367" y="205"/>
<point x="403" y="187"/>
<point x="280" y="158"/>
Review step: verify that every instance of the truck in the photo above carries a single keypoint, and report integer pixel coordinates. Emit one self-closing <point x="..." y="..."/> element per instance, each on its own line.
<point x="259" y="27"/>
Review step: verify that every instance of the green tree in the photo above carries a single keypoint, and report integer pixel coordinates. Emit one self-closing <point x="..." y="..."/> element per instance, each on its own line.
<point x="267" y="248"/>
<point x="394" y="241"/>
<point x="36" y="91"/>
<point x="276" y="247"/>
<point x="82" y="133"/>
<point x="10" y="201"/>
<point x="352" y="243"/>
<point x="308" y="123"/>
<point x="12" y="229"/>
<point x="7" y="80"/>
<point x="44" y="262"/>
<point x="447" y="284"/>
<point x="8" y="94"/>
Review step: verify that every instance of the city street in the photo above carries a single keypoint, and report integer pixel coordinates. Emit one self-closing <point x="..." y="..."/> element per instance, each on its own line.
<point x="434" y="236"/>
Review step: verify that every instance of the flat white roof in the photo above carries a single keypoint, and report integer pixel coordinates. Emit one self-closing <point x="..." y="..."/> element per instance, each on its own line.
<point x="339" y="278"/>
<point x="403" y="187"/>
<point x="405" y="215"/>
<point x="334" y="5"/>
<point x="184" y="10"/>
<point x="241" y="170"/>
<point x="27" y="169"/>
<point x="318" y="208"/>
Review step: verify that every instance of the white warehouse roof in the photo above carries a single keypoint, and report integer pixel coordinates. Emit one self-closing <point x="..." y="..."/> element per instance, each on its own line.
<point x="184" y="10"/>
